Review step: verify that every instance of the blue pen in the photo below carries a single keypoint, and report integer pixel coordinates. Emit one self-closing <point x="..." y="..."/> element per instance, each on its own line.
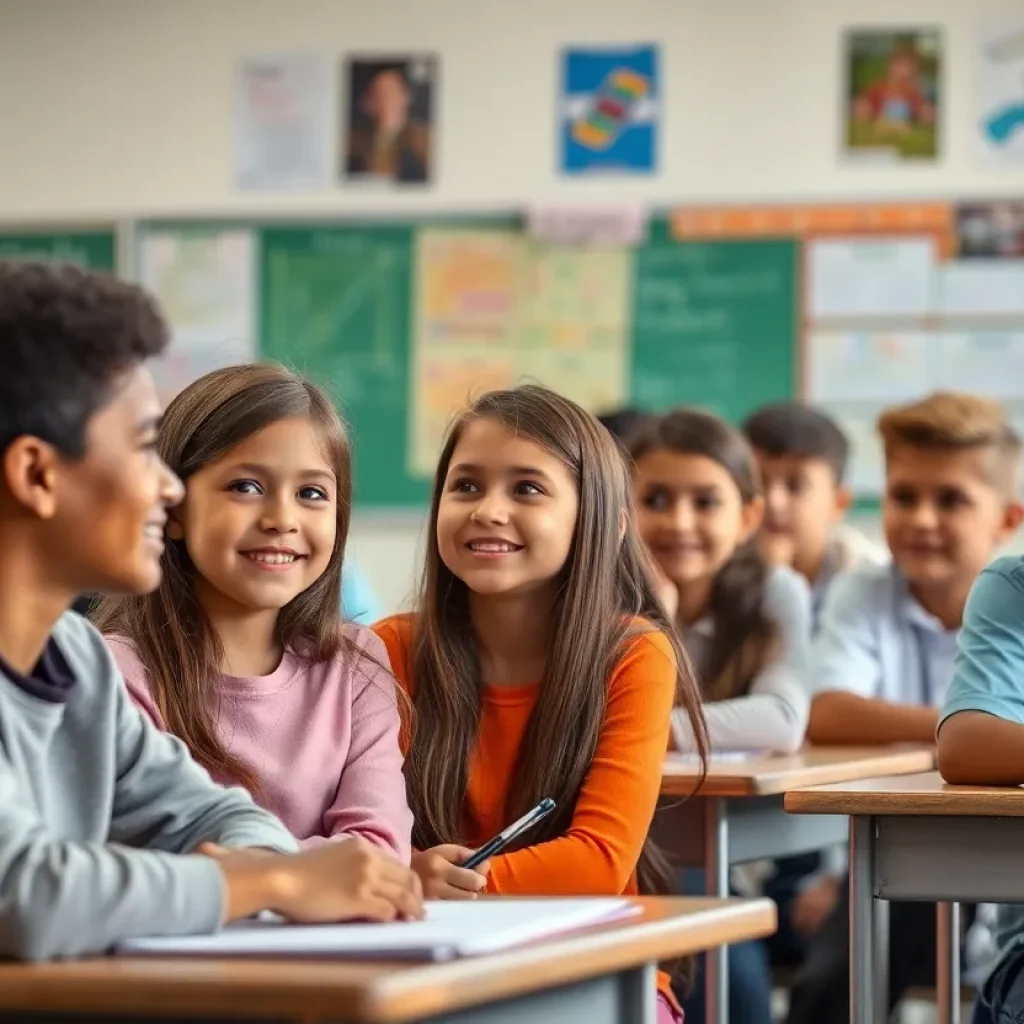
<point x="503" y="838"/>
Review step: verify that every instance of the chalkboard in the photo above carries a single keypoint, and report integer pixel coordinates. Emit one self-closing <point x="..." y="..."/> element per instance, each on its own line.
<point x="714" y="324"/>
<point x="95" y="249"/>
<point x="335" y="304"/>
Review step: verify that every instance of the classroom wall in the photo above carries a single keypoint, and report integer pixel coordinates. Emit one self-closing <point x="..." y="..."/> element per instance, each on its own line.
<point x="123" y="107"/>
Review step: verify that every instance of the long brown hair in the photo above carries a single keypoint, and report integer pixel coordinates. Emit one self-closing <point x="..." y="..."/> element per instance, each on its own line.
<point x="745" y="638"/>
<point x="606" y="600"/>
<point x="171" y="634"/>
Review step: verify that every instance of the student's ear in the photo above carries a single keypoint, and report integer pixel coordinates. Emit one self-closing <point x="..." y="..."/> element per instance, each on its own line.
<point x="752" y="515"/>
<point x="844" y="499"/>
<point x="175" y="531"/>
<point x="31" y="467"/>
<point x="1013" y="514"/>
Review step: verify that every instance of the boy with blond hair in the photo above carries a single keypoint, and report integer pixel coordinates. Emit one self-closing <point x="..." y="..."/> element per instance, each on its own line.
<point x="884" y="654"/>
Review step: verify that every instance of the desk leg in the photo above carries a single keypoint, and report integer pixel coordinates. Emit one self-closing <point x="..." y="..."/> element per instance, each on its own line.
<point x="947" y="962"/>
<point x="864" y="988"/>
<point x="716" y="874"/>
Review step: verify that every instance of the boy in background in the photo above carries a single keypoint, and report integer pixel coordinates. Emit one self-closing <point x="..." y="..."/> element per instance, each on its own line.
<point x="884" y="654"/>
<point x="803" y="455"/>
<point x="108" y="829"/>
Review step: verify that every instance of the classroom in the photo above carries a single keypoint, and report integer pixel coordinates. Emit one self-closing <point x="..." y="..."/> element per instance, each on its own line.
<point x="532" y="490"/>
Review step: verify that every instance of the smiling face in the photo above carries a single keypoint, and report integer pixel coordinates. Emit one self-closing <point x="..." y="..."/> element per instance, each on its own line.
<point x="260" y="523"/>
<point x="111" y="505"/>
<point x="507" y="514"/>
<point x="803" y="504"/>
<point x="690" y="514"/>
<point x="943" y="519"/>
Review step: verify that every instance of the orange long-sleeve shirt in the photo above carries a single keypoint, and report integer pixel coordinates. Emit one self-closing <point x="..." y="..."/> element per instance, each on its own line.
<point x="599" y="852"/>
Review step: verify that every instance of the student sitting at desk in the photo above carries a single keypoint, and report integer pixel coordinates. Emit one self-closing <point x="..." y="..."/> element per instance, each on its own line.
<point x="802" y="454"/>
<point x="884" y="656"/>
<point x="240" y="652"/>
<point x="108" y="829"/>
<point x="981" y="743"/>
<point x="540" y="663"/>
<point x="746" y="625"/>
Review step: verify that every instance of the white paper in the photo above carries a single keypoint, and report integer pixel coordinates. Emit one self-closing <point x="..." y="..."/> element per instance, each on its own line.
<point x="598" y="224"/>
<point x="718" y="757"/>
<point x="984" y="362"/>
<point x="878" y="277"/>
<point x="872" y="366"/>
<point x="205" y="282"/>
<point x="999" y="92"/>
<point x="283" y="122"/>
<point x="985" y="287"/>
<point x="451" y="929"/>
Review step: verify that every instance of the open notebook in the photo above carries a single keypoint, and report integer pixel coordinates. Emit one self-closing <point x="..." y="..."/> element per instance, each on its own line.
<point x="450" y="930"/>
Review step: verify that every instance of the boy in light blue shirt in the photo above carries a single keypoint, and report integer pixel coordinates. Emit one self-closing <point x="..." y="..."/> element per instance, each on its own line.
<point x="884" y="654"/>
<point x="981" y="743"/>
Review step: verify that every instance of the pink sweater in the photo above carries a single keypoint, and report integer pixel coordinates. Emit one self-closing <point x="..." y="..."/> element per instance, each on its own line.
<point x="323" y="738"/>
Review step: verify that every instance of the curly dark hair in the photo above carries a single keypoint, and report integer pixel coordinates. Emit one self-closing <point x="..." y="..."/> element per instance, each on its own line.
<point x="66" y="335"/>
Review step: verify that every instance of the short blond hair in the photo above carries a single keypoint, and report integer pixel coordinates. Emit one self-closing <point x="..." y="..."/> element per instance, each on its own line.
<point x="957" y="421"/>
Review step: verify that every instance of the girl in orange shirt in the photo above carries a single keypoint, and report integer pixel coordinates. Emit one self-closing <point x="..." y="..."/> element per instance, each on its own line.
<point x="540" y="662"/>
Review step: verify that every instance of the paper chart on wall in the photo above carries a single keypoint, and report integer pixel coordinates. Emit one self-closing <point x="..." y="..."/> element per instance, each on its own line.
<point x="205" y="282"/>
<point x="494" y="308"/>
<point x="999" y="92"/>
<point x="877" y="277"/>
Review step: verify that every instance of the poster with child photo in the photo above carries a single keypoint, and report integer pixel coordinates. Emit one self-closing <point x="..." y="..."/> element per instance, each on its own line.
<point x="891" y="97"/>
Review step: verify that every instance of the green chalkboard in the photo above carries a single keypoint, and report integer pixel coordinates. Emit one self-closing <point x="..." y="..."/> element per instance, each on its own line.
<point x="715" y="324"/>
<point x="95" y="249"/>
<point x="335" y="304"/>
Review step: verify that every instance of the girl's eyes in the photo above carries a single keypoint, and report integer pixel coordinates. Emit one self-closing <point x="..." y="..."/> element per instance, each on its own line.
<point x="245" y="487"/>
<point x="524" y="489"/>
<point x="252" y="487"/>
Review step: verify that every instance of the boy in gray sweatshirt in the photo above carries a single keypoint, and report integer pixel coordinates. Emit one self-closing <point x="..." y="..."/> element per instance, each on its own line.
<point x="108" y="829"/>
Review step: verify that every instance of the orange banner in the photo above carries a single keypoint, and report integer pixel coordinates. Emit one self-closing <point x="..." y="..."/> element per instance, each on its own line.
<point x="789" y="221"/>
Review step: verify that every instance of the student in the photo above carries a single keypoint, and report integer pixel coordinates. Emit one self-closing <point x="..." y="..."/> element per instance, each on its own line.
<point x="802" y="455"/>
<point x="981" y="743"/>
<point x="884" y="656"/>
<point x="108" y="830"/>
<point x="746" y="626"/>
<point x="239" y="652"/>
<point x="539" y="661"/>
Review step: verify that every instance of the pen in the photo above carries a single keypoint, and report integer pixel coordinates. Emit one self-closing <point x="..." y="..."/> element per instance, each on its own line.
<point x="503" y="838"/>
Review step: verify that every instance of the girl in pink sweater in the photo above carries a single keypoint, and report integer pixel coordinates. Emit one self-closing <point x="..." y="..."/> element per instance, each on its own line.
<point x="239" y="652"/>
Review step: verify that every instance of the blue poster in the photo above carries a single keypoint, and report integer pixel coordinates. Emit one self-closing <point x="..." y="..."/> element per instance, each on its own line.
<point x="609" y="112"/>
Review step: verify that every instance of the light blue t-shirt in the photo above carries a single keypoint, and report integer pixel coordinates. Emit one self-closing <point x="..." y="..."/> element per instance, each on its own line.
<point x="876" y="640"/>
<point x="989" y="672"/>
<point x="358" y="601"/>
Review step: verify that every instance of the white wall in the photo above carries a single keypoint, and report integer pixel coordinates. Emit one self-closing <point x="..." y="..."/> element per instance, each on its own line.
<point x="123" y="107"/>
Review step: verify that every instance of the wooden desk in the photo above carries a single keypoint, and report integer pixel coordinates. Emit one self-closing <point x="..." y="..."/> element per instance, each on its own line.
<point x="915" y="838"/>
<point x="738" y="816"/>
<point x="603" y="975"/>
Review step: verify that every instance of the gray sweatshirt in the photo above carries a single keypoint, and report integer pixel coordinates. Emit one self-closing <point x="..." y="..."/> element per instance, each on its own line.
<point x="96" y="808"/>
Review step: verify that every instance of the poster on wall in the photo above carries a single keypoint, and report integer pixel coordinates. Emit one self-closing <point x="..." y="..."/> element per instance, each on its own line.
<point x="609" y="110"/>
<point x="999" y="90"/>
<point x="205" y="282"/>
<point x="892" y="99"/>
<point x="283" y="122"/>
<point x="390" y="112"/>
<point x="990" y="229"/>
